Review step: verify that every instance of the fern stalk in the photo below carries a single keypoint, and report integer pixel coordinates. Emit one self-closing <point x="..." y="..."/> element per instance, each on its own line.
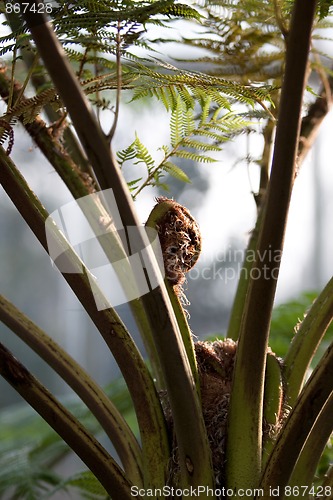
<point x="155" y="216"/>
<point x="307" y="463"/>
<point x="305" y="342"/>
<point x="244" y="447"/>
<point x="78" y="379"/>
<point x="192" y="439"/>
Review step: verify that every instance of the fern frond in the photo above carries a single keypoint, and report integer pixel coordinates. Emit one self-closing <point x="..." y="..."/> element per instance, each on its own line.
<point x="142" y="154"/>
<point x="205" y="109"/>
<point x="177" y="123"/>
<point x="196" y="84"/>
<point x="134" y="184"/>
<point x="181" y="153"/>
<point x="30" y="108"/>
<point x="176" y="171"/>
<point x="7" y="134"/>
<point x="210" y="134"/>
<point x="126" y="154"/>
<point x="324" y="8"/>
<point x="85" y="483"/>
<point x="18" y="468"/>
<point x="199" y="145"/>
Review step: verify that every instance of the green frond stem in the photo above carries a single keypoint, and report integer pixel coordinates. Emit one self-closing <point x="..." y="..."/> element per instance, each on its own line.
<point x="191" y="435"/>
<point x="297" y="429"/>
<point x="305" y="469"/>
<point x="78" y="379"/>
<point x="144" y="326"/>
<point x="273" y="399"/>
<point x="145" y="399"/>
<point x="185" y="333"/>
<point x="244" y="446"/>
<point x="306" y="341"/>
<point x="68" y="427"/>
<point x="19" y="95"/>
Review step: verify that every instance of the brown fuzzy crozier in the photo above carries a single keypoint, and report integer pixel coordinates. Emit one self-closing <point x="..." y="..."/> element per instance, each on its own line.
<point x="180" y="240"/>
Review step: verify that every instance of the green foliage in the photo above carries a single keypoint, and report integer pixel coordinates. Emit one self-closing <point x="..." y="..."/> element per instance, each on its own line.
<point x="286" y="319"/>
<point x="190" y="138"/>
<point x="166" y="82"/>
<point x="92" y="33"/>
<point x="29" y="449"/>
<point x="86" y="484"/>
<point x="324" y="8"/>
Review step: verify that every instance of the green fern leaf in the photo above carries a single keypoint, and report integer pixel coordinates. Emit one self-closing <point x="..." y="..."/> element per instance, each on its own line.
<point x="210" y="134"/>
<point x="87" y="483"/>
<point x="165" y="98"/>
<point x="133" y="185"/>
<point x="177" y="123"/>
<point x="176" y="172"/>
<point x="142" y="154"/>
<point x="126" y="154"/>
<point x="180" y="153"/>
<point x="199" y="145"/>
<point x="189" y="125"/>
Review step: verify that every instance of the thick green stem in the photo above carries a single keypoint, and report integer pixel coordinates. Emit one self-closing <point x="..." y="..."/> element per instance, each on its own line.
<point x="185" y="331"/>
<point x="69" y="428"/>
<point x="192" y="439"/>
<point x="78" y="379"/>
<point x="306" y="341"/>
<point x="244" y="447"/>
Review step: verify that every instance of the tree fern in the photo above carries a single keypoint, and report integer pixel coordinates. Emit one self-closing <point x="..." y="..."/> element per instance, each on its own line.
<point x="190" y="84"/>
<point x="191" y="138"/>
